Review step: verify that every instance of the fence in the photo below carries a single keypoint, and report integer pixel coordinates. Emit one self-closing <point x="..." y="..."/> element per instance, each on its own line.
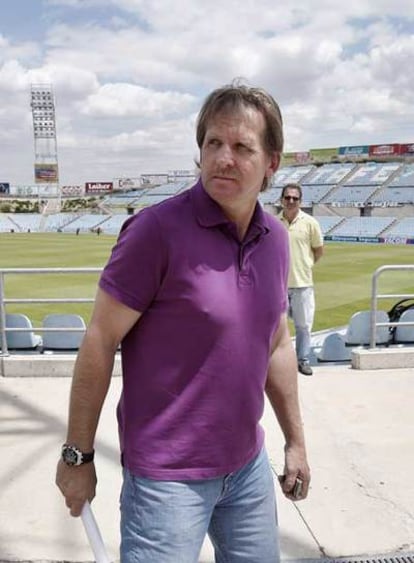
<point x="4" y="300"/>
<point x="375" y="296"/>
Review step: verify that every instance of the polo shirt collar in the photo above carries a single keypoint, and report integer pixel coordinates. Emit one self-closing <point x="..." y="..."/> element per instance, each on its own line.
<point x="209" y="213"/>
<point x="298" y="216"/>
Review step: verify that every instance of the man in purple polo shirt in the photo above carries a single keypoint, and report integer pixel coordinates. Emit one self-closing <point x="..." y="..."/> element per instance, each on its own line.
<point x="196" y="291"/>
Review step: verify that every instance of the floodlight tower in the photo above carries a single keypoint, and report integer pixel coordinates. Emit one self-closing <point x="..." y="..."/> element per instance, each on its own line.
<point x="46" y="169"/>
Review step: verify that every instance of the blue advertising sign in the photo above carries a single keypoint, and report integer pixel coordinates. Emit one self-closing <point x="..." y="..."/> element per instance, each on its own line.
<point x="354" y="151"/>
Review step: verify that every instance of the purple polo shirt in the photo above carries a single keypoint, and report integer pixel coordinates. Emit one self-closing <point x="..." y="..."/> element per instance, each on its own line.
<point x="195" y="364"/>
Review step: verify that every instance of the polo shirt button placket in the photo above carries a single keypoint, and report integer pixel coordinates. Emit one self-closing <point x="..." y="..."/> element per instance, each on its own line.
<point x="244" y="275"/>
<point x="244" y="278"/>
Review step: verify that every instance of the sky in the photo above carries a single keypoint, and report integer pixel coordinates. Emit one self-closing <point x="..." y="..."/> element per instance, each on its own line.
<point x="129" y="76"/>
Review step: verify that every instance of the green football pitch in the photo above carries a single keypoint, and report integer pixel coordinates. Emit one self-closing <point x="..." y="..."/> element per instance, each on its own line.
<point x="342" y="278"/>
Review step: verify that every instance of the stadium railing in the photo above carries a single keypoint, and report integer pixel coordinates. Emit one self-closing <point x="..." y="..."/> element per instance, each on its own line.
<point x="375" y="296"/>
<point x="4" y="300"/>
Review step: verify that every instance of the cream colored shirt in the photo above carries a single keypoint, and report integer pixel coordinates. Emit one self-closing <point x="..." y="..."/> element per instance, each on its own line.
<point x="304" y="234"/>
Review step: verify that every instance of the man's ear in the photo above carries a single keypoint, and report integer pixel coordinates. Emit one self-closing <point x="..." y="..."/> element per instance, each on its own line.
<point x="274" y="164"/>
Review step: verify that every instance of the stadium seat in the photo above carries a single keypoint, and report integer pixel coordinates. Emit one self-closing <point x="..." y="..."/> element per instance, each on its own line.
<point x="358" y="329"/>
<point x="405" y="334"/>
<point x="334" y="349"/>
<point x="63" y="340"/>
<point x="21" y="340"/>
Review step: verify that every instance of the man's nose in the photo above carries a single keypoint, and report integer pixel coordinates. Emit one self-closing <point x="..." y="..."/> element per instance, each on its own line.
<point x="225" y="156"/>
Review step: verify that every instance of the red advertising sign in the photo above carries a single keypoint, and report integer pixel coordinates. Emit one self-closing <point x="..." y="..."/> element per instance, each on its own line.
<point x="407" y="148"/>
<point x="384" y="150"/>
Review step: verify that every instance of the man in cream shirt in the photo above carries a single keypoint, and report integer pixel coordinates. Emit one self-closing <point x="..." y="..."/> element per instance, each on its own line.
<point x="306" y="248"/>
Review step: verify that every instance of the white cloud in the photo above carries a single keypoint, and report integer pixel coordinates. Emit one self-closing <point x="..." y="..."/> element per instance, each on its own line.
<point x="122" y="100"/>
<point x="130" y="75"/>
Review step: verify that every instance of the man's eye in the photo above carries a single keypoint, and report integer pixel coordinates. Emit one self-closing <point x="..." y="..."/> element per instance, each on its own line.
<point x="244" y="149"/>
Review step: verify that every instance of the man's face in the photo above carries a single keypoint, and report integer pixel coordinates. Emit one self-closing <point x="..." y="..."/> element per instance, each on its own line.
<point x="234" y="162"/>
<point x="291" y="200"/>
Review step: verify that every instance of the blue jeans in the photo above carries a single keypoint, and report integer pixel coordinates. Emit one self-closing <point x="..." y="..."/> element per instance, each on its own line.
<point x="167" y="521"/>
<point x="302" y="312"/>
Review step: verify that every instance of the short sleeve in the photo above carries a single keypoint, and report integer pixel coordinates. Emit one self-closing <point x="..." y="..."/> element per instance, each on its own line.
<point x="137" y="264"/>
<point x="317" y="237"/>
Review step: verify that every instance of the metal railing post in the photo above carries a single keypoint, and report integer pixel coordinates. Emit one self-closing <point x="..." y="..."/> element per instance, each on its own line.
<point x="375" y="296"/>
<point x="3" y="317"/>
<point x="36" y="271"/>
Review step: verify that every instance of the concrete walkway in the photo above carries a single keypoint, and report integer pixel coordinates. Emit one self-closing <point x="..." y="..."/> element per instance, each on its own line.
<point x="360" y="434"/>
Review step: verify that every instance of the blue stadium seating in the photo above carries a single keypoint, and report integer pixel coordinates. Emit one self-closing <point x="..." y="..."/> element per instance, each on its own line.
<point x="372" y="174"/>
<point x="314" y="193"/>
<point x="6" y="224"/>
<point x="330" y="174"/>
<point x="328" y="222"/>
<point x="393" y="196"/>
<point x="113" y="225"/>
<point x="403" y="228"/>
<point x="350" y="195"/>
<point x="85" y="223"/>
<point x="291" y="174"/>
<point x="404" y="177"/>
<point x="27" y="221"/>
<point x="363" y="226"/>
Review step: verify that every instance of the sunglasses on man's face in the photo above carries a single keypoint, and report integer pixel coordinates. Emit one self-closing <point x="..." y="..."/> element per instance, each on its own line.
<point x="291" y="198"/>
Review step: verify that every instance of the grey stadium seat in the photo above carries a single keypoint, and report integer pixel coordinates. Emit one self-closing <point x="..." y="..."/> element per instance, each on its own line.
<point x="334" y="349"/>
<point x="358" y="330"/>
<point x="405" y="334"/>
<point x="21" y="340"/>
<point x="63" y="340"/>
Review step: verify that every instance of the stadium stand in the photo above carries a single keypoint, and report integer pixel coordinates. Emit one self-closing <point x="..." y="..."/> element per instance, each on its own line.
<point x="350" y="195"/>
<point x="122" y="201"/>
<point x="113" y="225"/>
<point x="334" y="192"/>
<point x="312" y="194"/>
<point x="57" y="221"/>
<point x="372" y="174"/>
<point x="171" y="188"/>
<point x="330" y="174"/>
<point x="404" y="228"/>
<point x="363" y="226"/>
<point x="27" y="221"/>
<point x="404" y="177"/>
<point x="151" y="199"/>
<point x="143" y="198"/>
<point x="393" y="196"/>
<point x="329" y="222"/>
<point x="294" y="174"/>
<point x="84" y="223"/>
<point x="270" y="197"/>
<point x="6" y="224"/>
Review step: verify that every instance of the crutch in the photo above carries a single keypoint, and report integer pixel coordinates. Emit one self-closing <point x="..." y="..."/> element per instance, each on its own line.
<point x="94" y="534"/>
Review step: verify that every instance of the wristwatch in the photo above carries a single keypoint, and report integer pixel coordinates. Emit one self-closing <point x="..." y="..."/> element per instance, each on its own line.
<point x="72" y="455"/>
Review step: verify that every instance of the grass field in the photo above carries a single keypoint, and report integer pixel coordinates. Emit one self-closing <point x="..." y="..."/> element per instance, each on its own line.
<point x="342" y="278"/>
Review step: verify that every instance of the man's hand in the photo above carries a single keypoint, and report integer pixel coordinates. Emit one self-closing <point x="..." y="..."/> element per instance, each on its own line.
<point x="77" y="484"/>
<point x="296" y="467"/>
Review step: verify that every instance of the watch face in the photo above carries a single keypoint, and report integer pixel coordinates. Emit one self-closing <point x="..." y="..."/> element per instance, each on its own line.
<point x="71" y="456"/>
